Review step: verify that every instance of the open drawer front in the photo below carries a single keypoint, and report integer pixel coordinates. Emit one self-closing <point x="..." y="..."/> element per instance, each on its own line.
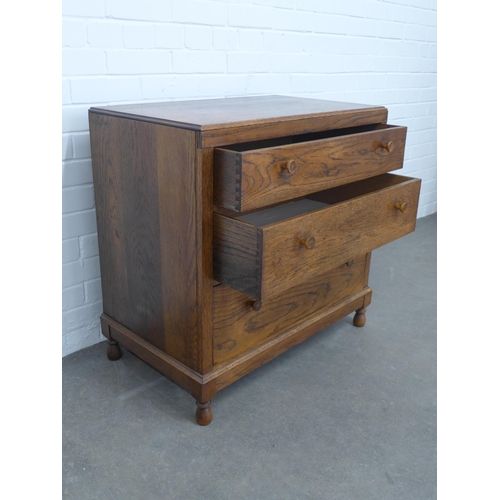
<point x="265" y="252"/>
<point x="253" y="175"/>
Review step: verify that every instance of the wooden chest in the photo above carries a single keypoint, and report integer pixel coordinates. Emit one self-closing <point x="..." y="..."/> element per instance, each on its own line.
<point x="233" y="229"/>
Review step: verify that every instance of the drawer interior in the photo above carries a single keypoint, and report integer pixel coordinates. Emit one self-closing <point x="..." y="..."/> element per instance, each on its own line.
<point x="295" y="139"/>
<point x="320" y="200"/>
<point x="266" y="216"/>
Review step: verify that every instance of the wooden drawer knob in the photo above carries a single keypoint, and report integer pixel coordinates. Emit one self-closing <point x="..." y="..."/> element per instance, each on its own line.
<point x="308" y="242"/>
<point x="291" y="166"/>
<point x="401" y="206"/>
<point x="349" y="263"/>
<point x="388" y="146"/>
<point x="256" y="305"/>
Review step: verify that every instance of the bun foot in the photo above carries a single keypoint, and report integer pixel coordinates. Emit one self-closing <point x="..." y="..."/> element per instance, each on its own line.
<point x="203" y="413"/>
<point x="114" y="352"/>
<point x="360" y="317"/>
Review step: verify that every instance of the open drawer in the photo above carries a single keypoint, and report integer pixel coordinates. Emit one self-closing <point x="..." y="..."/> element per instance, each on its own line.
<point x="252" y="175"/>
<point x="267" y="251"/>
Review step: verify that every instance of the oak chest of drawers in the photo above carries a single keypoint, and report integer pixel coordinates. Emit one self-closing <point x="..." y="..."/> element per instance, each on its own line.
<point x="233" y="229"/>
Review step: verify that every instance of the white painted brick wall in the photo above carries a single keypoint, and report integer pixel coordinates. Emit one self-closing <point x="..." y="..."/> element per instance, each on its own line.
<point x="116" y="51"/>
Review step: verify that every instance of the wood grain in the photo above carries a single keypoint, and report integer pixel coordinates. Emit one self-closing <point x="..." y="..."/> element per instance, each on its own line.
<point x="353" y="225"/>
<point x="227" y="121"/>
<point x="201" y="388"/>
<point x="206" y="298"/>
<point x="301" y="125"/>
<point x="253" y="178"/>
<point x="238" y="255"/>
<point x="204" y="250"/>
<point x="239" y="328"/>
<point x="179" y="241"/>
<point x="342" y="231"/>
<point x="153" y="213"/>
<point x="213" y="114"/>
<point x="227" y="180"/>
<point x="126" y="197"/>
<point x="233" y="370"/>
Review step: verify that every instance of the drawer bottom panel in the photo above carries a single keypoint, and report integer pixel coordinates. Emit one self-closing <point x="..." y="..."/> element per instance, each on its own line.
<point x="238" y="328"/>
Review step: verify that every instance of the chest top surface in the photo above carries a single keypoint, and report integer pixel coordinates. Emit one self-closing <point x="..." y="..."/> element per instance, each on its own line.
<point x="209" y="114"/>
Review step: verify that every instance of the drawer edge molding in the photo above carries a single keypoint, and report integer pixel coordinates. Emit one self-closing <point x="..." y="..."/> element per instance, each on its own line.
<point x="195" y="383"/>
<point x="204" y="387"/>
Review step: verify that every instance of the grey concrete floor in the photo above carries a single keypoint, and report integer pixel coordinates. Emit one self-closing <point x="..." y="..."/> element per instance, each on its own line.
<point x="348" y="414"/>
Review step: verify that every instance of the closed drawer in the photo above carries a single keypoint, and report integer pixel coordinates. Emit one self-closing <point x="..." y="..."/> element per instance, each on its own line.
<point x="268" y="251"/>
<point x="253" y="175"/>
<point x="237" y="327"/>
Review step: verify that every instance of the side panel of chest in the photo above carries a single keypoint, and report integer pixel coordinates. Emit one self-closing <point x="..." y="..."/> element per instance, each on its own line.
<point x="148" y="182"/>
